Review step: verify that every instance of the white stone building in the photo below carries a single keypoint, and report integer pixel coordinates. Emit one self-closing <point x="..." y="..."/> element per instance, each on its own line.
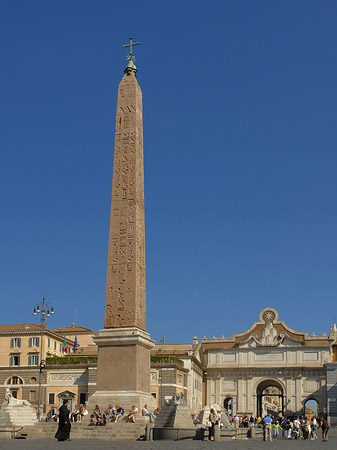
<point x="269" y="368"/>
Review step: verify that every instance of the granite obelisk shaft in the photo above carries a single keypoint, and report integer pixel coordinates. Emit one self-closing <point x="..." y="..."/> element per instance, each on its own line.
<point x="125" y="304"/>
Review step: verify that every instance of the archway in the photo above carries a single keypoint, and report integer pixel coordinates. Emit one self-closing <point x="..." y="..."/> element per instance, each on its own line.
<point x="228" y="405"/>
<point x="15" y="384"/>
<point x="270" y="398"/>
<point x="311" y="408"/>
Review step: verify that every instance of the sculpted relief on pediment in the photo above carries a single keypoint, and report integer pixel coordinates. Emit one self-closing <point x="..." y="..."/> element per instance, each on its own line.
<point x="269" y="336"/>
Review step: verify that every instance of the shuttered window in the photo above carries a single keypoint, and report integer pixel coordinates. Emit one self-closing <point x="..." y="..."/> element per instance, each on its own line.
<point x="34" y="342"/>
<point x="14" y="360"/>
<point x="15" y="342"/>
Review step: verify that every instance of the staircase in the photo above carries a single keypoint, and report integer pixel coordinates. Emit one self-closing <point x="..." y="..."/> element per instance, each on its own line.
<point x="120" y="431"/>
<point x="17" y="415"/>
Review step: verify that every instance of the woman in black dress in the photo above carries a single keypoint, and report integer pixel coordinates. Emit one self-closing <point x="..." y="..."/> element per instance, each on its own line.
<point x="63" y="431"/>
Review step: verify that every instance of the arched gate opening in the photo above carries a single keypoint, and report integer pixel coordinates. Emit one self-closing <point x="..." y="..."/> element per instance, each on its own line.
<point x="270" y="398"/>
<point x="311" y="408"/>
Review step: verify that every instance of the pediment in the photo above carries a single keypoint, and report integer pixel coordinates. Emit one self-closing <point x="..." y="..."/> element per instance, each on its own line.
<point x="269" y="332"/>
<point x="283" y="340"/>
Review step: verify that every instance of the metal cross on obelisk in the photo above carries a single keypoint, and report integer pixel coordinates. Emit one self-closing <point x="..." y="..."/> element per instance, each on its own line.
<point x="130" y="55"/>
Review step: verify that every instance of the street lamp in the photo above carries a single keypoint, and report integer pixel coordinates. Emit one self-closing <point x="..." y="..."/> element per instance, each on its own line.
<point x="45" y="310"/>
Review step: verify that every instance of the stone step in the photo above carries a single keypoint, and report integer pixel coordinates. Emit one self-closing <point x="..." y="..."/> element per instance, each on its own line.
<point x="113" y="431"/>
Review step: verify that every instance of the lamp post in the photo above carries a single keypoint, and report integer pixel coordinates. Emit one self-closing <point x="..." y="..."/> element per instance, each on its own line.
<point x="45" y="310"/>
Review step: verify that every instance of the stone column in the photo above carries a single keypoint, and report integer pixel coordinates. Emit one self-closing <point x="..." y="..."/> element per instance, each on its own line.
<point x="240" y="396"/>
<point x="250" y="396"/>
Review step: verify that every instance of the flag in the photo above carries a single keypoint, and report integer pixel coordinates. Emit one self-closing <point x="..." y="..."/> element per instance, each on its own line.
<point x="65" y="350"/>
<point x="75" y="344"/>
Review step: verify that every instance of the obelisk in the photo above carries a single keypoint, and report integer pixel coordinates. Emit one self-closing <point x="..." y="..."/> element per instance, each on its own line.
<point x="123" y="367"/>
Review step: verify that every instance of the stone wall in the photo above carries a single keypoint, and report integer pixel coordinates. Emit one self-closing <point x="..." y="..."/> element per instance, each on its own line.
<point x="331" y="386"/>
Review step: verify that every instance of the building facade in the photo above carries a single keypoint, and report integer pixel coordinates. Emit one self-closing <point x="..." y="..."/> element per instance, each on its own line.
<point x="269" y="368"/>
<point x="178" y="368"/>
<point x="22" y="348"/>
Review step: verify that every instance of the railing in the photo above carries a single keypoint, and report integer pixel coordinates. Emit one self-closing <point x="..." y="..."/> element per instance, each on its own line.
<point x="166" y="360"/>
<point x="67" y="360"/>
<point x="11" y="431"/>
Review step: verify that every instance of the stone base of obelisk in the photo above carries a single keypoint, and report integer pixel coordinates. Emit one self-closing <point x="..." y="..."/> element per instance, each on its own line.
<point x="123" y="369"/>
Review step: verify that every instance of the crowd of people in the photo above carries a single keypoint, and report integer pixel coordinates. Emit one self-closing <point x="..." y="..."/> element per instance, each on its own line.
<point x="114" y="413"/>
<point x="285" y="427"/>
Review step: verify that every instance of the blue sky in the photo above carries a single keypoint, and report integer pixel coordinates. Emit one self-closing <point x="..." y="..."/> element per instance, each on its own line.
<point x="240" y="160"/>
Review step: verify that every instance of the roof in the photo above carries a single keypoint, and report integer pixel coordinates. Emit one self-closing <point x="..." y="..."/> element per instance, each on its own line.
<point x="21" y="327"/>
<point x="171" y="349"/>
<point x="28" y="328"/>
<point x="74" y="330"/>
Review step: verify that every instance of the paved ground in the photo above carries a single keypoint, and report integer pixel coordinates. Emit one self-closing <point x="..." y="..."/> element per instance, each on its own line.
<point x="281" y="444"/>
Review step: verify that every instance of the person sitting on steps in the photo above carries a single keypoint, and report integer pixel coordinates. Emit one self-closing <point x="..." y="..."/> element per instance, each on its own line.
<point x="119" y="413"/>
<point x="132" y="413"/>
<point x="146" y="412"/>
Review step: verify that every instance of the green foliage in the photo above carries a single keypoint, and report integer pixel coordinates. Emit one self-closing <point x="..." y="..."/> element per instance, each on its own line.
<point x="166" y="360"/>
<point x="64" y="360"/>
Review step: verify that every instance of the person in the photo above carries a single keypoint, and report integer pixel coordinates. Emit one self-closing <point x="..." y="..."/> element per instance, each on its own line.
<point x="82" y="412"/>
<point x="119" y="412"/>
<point x="212" y="419"/>
<point x="110" y="414"/>
<point x="267" y="420"/>
<point x="297" y="428"/>
<point x="74" y="414"/>
<point x="146" y="412"/>
<point x="325" y="428"/>
<point x="195" y="419"/>
<point x="314" y="428"/>
<point x="283" y="423"/>
<point x="289" y="428"/>
<point x="306" y="429"/>
<point x="97" y="416"/>
<point x="132" y="413"/>
<point x="63" y="431"/>
<point x="156" y="411"/>
<point x="276" y="429"/>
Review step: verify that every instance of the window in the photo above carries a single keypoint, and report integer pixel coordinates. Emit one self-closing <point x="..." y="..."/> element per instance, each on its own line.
<point x="51" y="399"/>
<point x="55" y="346"/>
<point x="15" y="380"/>
<point x="83" y="398"/>
<point x="34" y="342"/>
<point x="14" y="360"/>
<point x="153" y="376"/>
<point x="33" y="360"/>
<point x="33" y="380"/>
<point x="15" y="342"/>
<point x="32" y="396"/>
<point x="61" y="347"/>
<point x="48" y="343"/>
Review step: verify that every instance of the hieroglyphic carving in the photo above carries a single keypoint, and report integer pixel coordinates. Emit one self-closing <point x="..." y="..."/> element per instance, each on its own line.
<point x="125" y="293"/>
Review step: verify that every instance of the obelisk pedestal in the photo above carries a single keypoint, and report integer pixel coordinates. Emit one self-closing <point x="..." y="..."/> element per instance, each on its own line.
<point x="123" y="372"/>
<point x="123" y="367"/>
